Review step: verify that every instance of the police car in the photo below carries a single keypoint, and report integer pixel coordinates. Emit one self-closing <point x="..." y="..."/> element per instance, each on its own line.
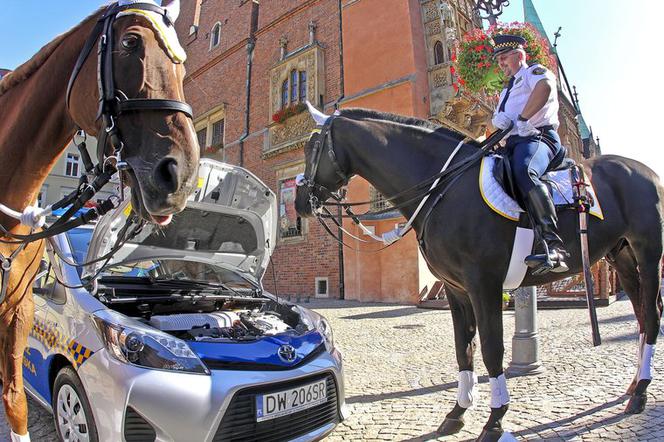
<point x="172" y="338"/>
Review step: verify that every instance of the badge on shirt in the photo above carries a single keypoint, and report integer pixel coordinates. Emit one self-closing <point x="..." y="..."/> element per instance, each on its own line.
<point x="539" y="71"/>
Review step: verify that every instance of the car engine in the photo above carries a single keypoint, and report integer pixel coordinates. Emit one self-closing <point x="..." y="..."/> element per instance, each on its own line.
<point x="234" y="325"/>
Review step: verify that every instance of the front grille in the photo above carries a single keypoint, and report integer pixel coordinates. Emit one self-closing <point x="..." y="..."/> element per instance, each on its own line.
<point x="137" y="429"/>
<point x="239" y="423"/>
<point x="254" y="366"/>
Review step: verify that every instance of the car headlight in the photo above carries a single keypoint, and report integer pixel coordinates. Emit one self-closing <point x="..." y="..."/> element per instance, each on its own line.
<point x="314" y="321"/>
<point x="132" y="343"/>
<point x="326" y="330"/>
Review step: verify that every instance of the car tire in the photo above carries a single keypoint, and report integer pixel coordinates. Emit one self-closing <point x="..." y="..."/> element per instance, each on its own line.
<point x="71" y="409"/>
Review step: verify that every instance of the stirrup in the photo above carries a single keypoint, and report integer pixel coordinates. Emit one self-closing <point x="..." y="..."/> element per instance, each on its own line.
<point x="552" y="260"/>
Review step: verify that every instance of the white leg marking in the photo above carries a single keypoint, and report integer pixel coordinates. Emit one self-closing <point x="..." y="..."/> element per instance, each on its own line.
<point x="499" y="394"/>
<point x="645" y="365"/>
<point x="466" y="390"/>
<point x="20" y="438"/>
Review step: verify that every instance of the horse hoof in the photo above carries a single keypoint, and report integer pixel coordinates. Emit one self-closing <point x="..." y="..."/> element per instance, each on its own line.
<point x="450" y="426"/>
<point x="636" y="404"/>
<point x="491" y="435"/>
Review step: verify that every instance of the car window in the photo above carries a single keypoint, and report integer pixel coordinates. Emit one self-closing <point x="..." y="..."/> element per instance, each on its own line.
<point x="45" y="280"/>
<point x="79" y="241"/>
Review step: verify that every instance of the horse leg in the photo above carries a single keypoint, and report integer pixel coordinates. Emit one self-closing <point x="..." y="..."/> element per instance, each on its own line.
<point x="626" y="267"/>
<point x="13" y="395"/>
<point x="487" y="304"/>
<point x="648" y="256"/>
<point x="463" y="319"/>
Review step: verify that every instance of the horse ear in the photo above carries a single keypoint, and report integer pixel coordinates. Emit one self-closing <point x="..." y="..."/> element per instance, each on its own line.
<point x="319" y="117"/>
<point x="172" y="8"/>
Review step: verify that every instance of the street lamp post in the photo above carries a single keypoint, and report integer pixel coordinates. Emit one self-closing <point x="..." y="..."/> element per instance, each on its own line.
<point x="491" y="8"/>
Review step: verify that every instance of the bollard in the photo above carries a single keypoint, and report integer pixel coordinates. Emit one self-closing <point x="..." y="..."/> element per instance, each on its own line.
<point x="525" y="343"/>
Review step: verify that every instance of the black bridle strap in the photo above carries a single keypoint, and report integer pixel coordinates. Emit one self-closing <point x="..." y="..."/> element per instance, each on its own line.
<point x="145" y="104"/>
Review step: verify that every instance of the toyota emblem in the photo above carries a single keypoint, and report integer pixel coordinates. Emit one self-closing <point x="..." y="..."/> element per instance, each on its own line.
<point x="287" y="353"/>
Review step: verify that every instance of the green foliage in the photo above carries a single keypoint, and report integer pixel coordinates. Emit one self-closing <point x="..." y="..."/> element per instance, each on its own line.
<point x="474" y="66"/>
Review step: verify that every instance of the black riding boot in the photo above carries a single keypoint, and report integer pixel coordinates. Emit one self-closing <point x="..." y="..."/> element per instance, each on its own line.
<point x="543" y="213"/>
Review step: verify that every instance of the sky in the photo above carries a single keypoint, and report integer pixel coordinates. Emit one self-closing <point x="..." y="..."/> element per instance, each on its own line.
<point x="610" y="50"/>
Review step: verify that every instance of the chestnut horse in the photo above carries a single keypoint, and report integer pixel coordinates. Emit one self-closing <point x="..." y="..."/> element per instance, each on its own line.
<point x="37" y="120"/>
<point x="468" y="246"/>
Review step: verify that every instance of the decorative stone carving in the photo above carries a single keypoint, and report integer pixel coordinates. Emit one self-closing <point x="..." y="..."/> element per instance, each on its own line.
<point x="433" y="27"/>
<point x="294" y="128"/>
<point x="430" y="12"/>
<point x="440" y="76"/>
<point x="292" y="133"/>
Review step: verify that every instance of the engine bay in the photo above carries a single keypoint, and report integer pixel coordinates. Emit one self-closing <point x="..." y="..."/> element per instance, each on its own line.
<point x="208" y="317"/>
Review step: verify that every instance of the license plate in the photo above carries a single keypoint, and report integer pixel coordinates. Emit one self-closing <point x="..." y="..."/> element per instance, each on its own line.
<point x="282" y="403"/>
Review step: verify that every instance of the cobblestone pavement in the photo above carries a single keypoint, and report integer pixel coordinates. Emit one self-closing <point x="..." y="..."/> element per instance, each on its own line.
<point x="401" y="377"/>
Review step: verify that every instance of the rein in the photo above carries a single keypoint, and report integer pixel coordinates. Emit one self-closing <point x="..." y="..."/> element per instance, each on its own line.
<point x="446" y="177"/>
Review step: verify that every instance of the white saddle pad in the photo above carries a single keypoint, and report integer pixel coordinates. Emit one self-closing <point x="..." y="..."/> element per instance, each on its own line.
<point x="500" y="202"/>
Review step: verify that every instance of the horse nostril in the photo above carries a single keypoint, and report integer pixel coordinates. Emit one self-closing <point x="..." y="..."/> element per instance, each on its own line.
<point x="166" y="175"/>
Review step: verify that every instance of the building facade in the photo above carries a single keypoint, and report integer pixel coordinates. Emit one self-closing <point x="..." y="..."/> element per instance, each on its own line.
<point x="252" y="64"/>
<point x="247" y="64"/>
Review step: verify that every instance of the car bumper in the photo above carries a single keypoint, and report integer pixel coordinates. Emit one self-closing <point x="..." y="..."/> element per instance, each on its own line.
<point x="186" y="407"/>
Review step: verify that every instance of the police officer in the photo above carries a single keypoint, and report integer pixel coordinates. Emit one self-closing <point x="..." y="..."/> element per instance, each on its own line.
<point x="530" y="101"/>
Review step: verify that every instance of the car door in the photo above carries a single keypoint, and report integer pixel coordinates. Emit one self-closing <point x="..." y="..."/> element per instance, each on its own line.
<point x="38" y="351"/>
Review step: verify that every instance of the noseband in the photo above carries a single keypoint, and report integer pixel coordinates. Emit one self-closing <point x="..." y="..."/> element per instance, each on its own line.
<point x="113" y="102"/>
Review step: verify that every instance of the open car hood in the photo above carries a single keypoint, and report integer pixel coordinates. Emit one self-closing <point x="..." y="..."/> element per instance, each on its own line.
<point x="230" y="220"/>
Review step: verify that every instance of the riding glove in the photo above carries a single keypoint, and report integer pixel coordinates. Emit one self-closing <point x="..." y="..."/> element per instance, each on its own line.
<point x="501" y="121"/>
<point x="526" y="129"/>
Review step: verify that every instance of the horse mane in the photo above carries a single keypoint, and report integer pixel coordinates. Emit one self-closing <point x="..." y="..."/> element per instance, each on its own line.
<point x="438" y="129"/>
<point x="24" y="71"/>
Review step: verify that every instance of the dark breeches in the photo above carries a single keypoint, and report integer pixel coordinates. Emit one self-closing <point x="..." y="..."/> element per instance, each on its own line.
<point x="530" y="158"/>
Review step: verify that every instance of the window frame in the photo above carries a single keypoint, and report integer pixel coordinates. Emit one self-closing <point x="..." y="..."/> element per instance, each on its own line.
<point x="75" y="164"/>
<point x="216" y="30"/>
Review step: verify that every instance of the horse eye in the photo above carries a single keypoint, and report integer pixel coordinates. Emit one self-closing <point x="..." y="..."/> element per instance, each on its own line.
<point x="130" y="42"/>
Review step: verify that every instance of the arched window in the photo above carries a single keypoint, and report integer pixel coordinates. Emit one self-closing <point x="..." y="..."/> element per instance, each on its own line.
<point x="215" y="35"/>
<point x="284" y="94"/>
<point x="293" y="85"/>
<point x="303" y="86"/>
<point x="438" y="53"/>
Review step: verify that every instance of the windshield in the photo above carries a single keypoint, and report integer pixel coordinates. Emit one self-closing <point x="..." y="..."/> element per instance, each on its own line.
<point x="173" y="270"/>
<point x="79" y="241"/>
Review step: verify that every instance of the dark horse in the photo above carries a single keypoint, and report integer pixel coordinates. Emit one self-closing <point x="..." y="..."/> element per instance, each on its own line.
<point x="468" y="246"/>
<point x="38" y="118"/>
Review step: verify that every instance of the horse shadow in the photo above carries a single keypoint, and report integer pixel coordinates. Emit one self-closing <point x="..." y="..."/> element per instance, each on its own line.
<point x="565" y="434"/>
<point x="387" y="314"/>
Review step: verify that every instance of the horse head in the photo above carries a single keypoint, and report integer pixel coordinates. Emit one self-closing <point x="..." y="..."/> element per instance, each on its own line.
<point x="158" y="144"/>
<point x="323" y="174"/>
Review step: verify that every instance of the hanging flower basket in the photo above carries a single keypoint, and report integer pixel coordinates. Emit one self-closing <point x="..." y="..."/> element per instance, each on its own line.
<point x="283" y="114"/>
<point x="475" y="69"/>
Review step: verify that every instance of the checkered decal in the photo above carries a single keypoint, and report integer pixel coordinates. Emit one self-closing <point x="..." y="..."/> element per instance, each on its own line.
<point x="48" y="334"/>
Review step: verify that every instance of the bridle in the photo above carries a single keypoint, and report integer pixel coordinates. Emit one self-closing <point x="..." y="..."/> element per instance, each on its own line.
<point x="440" y="182"/>
<point x="113" y="102"/>
<point x="323" y="143"/>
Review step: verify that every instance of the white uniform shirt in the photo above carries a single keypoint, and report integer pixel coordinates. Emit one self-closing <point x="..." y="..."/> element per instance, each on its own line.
<point x="524" y="83"/>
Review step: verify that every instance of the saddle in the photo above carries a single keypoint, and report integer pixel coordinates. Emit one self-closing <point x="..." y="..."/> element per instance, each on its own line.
<point x="499" y="191"/>
<point x="502" y="172"/>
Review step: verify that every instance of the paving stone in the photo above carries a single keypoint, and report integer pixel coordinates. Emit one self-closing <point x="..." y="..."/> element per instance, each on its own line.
<point x="400" y="382"/>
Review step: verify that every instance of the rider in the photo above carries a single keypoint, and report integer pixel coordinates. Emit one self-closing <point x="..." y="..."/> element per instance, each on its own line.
<point x="530" y="100"/>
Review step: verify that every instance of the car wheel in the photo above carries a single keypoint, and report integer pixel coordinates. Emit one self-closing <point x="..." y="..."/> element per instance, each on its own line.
<point x="73" y="416"/>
